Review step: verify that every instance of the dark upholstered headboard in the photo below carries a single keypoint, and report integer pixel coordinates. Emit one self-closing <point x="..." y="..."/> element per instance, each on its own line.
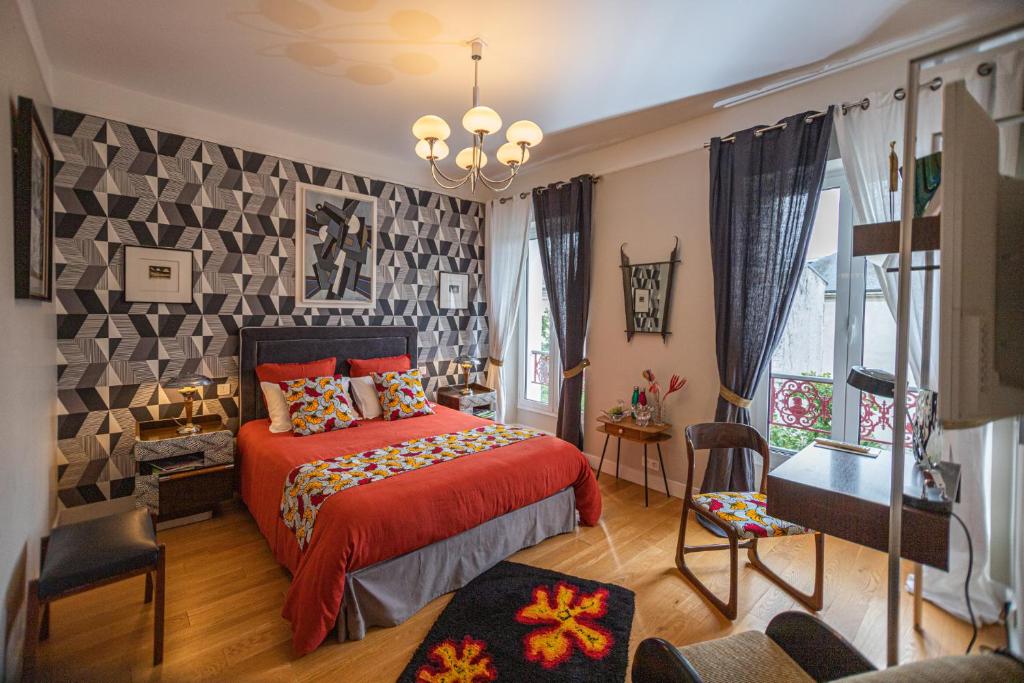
<point x="299" y="344"/>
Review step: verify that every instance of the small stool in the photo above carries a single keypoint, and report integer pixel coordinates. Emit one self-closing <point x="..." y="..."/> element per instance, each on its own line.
<point x="86" y="555"/>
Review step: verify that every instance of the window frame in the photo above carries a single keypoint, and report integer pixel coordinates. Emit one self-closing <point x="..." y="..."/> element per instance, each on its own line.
<point x="523" y="402"/>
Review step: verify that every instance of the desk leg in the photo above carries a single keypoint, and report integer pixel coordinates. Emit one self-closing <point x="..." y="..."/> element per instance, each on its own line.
<point x="645" y="475"/>
<point x="664" y="476"/>
<point x="606" y="437"/>
<point x="918" y="594"/>
<point x="618" y="455"/>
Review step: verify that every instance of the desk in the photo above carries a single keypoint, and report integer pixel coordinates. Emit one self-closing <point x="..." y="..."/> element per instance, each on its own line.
<point x="847" y="495"/>
<point x="629" y="430"/>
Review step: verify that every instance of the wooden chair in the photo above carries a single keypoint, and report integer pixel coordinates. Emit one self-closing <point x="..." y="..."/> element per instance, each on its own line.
<point x="79" y="557"/>
<point x="740" y="516"/>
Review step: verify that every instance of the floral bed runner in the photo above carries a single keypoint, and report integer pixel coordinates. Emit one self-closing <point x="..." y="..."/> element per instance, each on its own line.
<point x="308" y="486"/>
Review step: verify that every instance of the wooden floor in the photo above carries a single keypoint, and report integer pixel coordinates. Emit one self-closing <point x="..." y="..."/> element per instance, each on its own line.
<point x="224" y="597"/>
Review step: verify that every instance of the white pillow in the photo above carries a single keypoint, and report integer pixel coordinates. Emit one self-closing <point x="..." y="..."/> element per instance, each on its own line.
<point x="280" y="419"/>
<point x="364" y="391"/>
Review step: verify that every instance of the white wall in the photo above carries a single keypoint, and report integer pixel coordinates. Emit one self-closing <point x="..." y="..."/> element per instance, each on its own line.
<point x="28" y="375"/>
<point x="654" y="187"/>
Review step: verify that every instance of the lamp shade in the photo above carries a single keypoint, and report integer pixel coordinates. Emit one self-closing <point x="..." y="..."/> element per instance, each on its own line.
<point x="189" y="382"/>
<point x="526" y="132"/>
<point x="510" y="153"/>
<point x="481" y="120"/>
<point x="440" y="150"/>
<point x="431" y="126"/>
<point x="464" y="159"/>
<point x="872" y="380"/>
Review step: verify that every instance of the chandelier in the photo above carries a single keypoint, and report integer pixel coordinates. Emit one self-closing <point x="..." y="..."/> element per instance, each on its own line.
<point x="480" y="121"/>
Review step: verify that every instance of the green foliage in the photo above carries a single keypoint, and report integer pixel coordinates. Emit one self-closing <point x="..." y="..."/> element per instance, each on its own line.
<point x="792" y="438"/>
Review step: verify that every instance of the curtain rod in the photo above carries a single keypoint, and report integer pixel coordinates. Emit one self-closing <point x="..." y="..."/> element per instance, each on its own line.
<point x="984" y="69"/>
<point x="524" y="195"/>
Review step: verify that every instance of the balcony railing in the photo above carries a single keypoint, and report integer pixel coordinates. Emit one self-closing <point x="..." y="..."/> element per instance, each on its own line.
<point x="540" y="367"/>
<point x="801" y="411"/>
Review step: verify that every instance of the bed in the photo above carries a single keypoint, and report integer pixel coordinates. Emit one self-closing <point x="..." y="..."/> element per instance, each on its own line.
<point x="380" y="552"/>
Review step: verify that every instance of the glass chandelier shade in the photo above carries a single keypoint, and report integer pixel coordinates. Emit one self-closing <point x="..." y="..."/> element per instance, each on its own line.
<point x="431" y="131"/>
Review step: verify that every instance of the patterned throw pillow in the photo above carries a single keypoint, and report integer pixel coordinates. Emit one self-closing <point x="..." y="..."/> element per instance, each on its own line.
<point x="401" y="394"/>
<point x="318" y="404"/>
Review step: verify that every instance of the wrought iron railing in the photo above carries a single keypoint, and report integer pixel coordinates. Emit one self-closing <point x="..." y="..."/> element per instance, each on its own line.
<point x="540" y="367"/>
<point x="800" y="410"/>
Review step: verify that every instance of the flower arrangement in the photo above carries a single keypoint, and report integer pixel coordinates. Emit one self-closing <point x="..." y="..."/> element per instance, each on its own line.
<point x="654" y="396"/>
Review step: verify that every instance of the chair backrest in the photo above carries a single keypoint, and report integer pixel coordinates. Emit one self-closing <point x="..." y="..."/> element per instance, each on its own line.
<point x="709" y="435"/>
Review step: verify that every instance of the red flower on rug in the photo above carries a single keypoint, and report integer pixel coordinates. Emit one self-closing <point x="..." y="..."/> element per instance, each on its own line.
<point x="466" y="662"/>
<point x="571" y="616"/>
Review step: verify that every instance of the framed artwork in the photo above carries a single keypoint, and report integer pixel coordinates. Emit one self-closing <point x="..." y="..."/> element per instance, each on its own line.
<point x="157" y="275"/>
<point x="453" y="291"/>
<point x="641" y="301"/>
<point x="335" y="248"/>
<point x="33" y="206"/>
<point x="647" y="292"/>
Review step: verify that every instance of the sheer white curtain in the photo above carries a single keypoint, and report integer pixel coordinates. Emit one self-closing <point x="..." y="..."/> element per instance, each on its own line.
<point x="864" y="138"/>
<point x="508" y="226"/>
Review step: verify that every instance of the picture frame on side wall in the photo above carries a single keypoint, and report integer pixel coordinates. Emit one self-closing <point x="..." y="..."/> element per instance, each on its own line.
<point x="335" y="248"/>
<point x="453" y="291"/>
<point x="157" y="275"/>
<point x="33" y="206"/>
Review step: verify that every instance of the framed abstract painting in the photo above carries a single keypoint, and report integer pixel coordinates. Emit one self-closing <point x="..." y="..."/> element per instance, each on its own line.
<point x="335" y="248"/>
<point x="33" y="206"/>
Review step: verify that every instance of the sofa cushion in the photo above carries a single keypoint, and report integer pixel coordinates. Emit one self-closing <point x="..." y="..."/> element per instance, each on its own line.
<point x="748" y="657"/>
<point x="979" y="668"/>
<point x="746" y="513"/>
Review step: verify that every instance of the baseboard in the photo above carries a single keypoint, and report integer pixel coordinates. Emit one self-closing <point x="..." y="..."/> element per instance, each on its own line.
<point x="636" y="475"/>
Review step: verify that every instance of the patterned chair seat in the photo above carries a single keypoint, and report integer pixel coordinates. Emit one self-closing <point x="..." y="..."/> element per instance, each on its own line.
<point x="746" y="513"/>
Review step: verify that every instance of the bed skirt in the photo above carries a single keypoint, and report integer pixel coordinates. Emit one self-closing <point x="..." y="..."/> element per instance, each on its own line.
<point x="389" y="592"/>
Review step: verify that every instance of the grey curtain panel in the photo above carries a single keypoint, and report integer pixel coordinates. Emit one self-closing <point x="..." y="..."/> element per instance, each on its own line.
<point x="764" y="194"/>
<point x="563" y="217"/>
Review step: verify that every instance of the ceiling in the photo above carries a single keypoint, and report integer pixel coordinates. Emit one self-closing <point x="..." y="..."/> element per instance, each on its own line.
<point x="359" y="72"/>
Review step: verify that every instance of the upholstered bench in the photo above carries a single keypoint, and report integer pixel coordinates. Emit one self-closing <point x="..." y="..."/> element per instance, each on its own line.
<point x="86" y="555"/>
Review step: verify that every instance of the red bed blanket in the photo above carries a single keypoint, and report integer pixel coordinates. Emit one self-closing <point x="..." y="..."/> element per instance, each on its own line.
<point x="365" y="525"/>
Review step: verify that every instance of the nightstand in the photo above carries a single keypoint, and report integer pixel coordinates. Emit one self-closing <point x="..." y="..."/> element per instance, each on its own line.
<point x="482" y="401"/>
<point x="184" y="477"/>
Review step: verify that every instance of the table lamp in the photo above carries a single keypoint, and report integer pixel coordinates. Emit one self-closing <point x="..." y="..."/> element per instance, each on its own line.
<point x="189" y="386"/>
<point x="467" y="363"/>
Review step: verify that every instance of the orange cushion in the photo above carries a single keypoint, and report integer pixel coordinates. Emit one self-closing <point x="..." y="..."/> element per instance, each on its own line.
<point x="364" y="367"/>
<point x="282" y="372"/>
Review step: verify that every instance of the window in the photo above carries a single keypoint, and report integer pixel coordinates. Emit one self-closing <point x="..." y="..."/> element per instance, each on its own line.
<point x="538" y="352"/>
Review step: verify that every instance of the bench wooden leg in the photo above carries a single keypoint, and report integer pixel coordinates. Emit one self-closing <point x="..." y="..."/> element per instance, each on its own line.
<point x="149" y="587"/>
<point x="44" y="628"/>
<point x="158" y="611"/>
<point x="28" y="667"/>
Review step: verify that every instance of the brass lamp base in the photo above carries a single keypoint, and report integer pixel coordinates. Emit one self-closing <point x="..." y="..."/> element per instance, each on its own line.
<point x="189" y="428"/>
<point x="466" y="391"/>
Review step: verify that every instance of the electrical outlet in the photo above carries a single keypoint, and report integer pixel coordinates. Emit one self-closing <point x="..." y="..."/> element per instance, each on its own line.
<point x="653" y="465"/>
<point x="223" y="390"/>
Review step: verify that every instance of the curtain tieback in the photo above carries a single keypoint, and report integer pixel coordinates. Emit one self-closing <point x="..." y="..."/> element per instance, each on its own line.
<point x="734" y="398"/>
<point x="495" y="362"/>
<point x="583" y="364"/>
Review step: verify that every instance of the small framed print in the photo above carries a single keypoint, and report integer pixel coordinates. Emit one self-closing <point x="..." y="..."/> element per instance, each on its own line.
<point x="157" y="275"/>
<point x="33" y="206"/>
<point x="453" y="291"/>
<point x="641" y="301"/>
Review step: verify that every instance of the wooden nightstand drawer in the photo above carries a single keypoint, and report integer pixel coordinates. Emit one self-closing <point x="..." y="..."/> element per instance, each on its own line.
<point x="195" y="491"/>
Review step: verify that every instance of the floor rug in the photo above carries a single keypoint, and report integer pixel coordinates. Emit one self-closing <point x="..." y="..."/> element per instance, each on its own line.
<point x="520" y="623"/>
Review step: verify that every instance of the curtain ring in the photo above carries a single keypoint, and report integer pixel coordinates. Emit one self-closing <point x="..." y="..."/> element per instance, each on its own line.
<point x="900" y="94"/>
<point x="935" y="83"/>
<point x="986" y="68"/>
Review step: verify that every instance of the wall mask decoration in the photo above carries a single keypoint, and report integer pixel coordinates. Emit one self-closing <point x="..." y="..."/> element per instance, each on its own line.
<point x="647" y="293"/>
<point x="33" y="206"/>
<point x="336" y="248"/>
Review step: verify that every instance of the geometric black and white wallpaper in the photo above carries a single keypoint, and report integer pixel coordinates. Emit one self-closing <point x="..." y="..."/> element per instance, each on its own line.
<point x="118" y="184"/>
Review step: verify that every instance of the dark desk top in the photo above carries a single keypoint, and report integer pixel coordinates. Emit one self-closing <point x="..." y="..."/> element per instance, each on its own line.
<point x="859" y="476"/>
